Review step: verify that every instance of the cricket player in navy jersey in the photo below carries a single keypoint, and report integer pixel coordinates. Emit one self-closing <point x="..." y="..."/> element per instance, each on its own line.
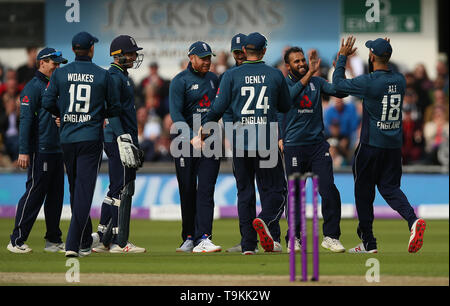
<point x="378" y="160"/>
<point x="77" y="94"/>
<point x="255" y="92"/>
<point x="303" y="141"/>
<point x="191" y="95"/>
<point x="40" y="152"/>
<point x="116" y="207"/>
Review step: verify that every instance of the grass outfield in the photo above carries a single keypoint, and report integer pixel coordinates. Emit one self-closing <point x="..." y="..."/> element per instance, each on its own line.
<point x="160" y="238"/>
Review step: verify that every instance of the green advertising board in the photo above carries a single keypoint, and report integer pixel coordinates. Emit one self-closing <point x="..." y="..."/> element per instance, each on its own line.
<point x="387" y="16"/>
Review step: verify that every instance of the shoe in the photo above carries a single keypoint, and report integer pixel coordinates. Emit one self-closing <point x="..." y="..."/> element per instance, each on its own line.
<point x="237" y="248"/>
<point x="297" y="246"/>
<point x="416" y="238"/>
<point x="101" y="249"/>
<point x="334" y="245"/>
<point x="52" y="247"/>
<point x="248" y="253"/>
<point x="361" y="249"/>
<point x="22" y="249"/>
<point x="129" y="248"/>
<point x="265" y="238"/>
<point x="71" y="254"/>
<point x="95" y="240"/>
<point x="206" y="246"/>
<point x="84" y="252"/>
<point x="187" y="245"/>
<point x="277" y="247"/>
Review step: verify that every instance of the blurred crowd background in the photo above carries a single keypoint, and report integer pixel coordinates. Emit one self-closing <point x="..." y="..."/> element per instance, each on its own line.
<point x="425" y="111"/>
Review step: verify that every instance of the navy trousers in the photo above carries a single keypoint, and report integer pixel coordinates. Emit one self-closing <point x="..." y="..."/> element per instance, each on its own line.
<point x="45" y="182"/>
<point x="379" y="167"/>
<point x="316" y="158"/>
<point x="82" y="160"/>
<point x="272" y="188"/>
<point x="197" y="178"/>
<point x="119" y="176"/>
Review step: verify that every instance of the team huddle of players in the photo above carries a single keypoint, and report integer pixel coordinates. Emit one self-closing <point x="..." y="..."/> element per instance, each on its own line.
<point x="99" y="108"/>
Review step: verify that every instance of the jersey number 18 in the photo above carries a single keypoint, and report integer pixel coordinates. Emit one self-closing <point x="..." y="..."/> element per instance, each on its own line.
<point x="394" y="107"/>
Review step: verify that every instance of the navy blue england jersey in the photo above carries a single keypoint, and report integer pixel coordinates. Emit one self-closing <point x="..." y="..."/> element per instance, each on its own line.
<point x="255" y="92"/>
<point x="122" y="82"/>
<point x="191" y="94"/>
<point x="77" y="93"/>
<point x="382" y="92"/>
<point x="37" y="130"/>
<point x="303" y="124"/>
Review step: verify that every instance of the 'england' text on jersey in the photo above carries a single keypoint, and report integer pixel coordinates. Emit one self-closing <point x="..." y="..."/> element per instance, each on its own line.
<point x="80" y="77"/>
<point x="73" y="118"/>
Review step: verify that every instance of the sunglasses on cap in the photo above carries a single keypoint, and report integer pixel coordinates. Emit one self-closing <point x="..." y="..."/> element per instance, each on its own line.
<point x="53" y="54"/>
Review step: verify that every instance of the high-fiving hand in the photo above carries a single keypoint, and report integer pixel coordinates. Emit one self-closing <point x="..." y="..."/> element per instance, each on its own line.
<point x="347" y="47"/>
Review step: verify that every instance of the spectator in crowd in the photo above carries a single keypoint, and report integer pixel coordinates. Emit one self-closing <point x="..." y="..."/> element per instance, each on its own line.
<point x="343" y="113"/>
<point x="336" y="156"/>
<point x="410" y="102"/>
<point x="222" y="64"/>
<point x="2" y="73"/>
<point x="153" y="91"/>
<point x="9" y="126"/>
<point x="10" y="85"/>
<point x="440" y="99"/>
<point x="420" y="88"/>
<point x="421" y="76"/>
<point x="280" y="64"/>
<point x="441" y="81"/>
<point x="26" y="72"/>
<point x="162" y="145"/>
<point x="145" y="143"/>
<point x="436" y="133"/>
<point x="413" y="142"/>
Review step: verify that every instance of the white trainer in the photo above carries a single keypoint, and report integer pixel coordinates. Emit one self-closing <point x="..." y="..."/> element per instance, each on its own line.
<point x="277" y="248"/>
<point x="18" y="249"/>
<point x="52" y="247"/>
<point x="101" y="248"/>
<point x="84" y="252"/>
<point x="95" y="240"/>
<point x="334" y="245"/>
<point x="238" y="249"/>
<point x="297" y="246"/>
<point x="71" y="254"/>
<point x="129" y="248"/>
<point x="206" y="246"/>
<point x="361" y="249"/>
<point x="187" y="246"/>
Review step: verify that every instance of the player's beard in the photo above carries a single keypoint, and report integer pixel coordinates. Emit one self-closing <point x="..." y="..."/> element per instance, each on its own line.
<point x="370" y="65"/>
<point x="297" y="73"/>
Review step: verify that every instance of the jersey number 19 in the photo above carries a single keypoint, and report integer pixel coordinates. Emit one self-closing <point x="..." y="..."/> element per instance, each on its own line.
<point x="83" y="94"/>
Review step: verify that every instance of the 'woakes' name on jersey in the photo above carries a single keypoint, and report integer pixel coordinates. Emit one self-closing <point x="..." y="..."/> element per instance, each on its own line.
<point x="382" y="92"/>
<point x="77" y="93"/>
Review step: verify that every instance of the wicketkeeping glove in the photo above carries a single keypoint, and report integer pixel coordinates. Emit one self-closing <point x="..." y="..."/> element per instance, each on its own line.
<point x="129" y="153"/>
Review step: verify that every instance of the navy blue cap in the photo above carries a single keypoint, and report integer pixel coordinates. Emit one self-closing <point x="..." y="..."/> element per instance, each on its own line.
<point x="255" y="41"/>
<point x="52" y="54"/>
<point x="201" y="49"/>
<point x="379" y="46"/>
<point x="238" y="41"/>
<point x="83" y="40"/>
<point x="123" y="44"/>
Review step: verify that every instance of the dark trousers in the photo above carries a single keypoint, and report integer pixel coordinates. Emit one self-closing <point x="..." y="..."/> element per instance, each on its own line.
<point x="316" y="158"/>
<point x="197" y="178"/>
<point x="379" y="167"/>
<point x="272" y="190"/>
<point x="45" y="182"/>
<point x="119" y="177"/>
<point x="82" y="160"/>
